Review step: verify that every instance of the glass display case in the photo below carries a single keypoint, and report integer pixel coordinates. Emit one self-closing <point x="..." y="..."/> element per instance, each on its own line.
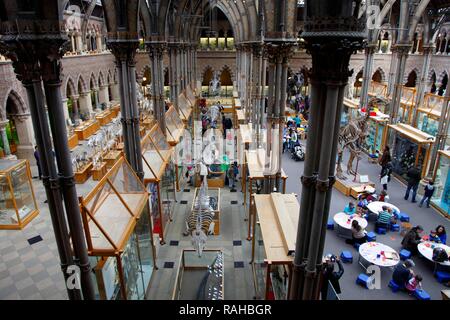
<point x="377" y="89"/>
<point x="159" y="173"/>
<point x="17" y="200"/>
<point x="411" y="148"/>
<point x="273" y="244"/>
<point x="176" y="137"/>
<point x="377" y="128"/>
<point x="429" y="114"/>
<point x="200" y="277"/>
<point x="184" y="108"/>
<point x="441" y="178"/>
<point x="117" y="226"/>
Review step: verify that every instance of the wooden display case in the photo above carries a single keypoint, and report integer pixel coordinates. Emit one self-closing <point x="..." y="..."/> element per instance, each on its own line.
<point x="351" y="107"/>
<point x="253" y="169"/>
<point x="184" y="108"/>
<point x="73" y="141"/>
<point x="112" y="157"/>
<point x="273" y="245"/>
<point x="148" y="122"/>
<point x="100" y="172"/>
<point x="441" y="177"/>
<point x="377" y="130"/>
<point x="351" y="186"/>
<point x="215" y="193"/>
<point x="105" y="117"/>
<point x="83" y="175"/>
<point x="407" y="101"/>
<point x="158" y="175"/>
<point x="115" y="109"/>
<point x="429" y="114"/>
<point x="18" y="204"/>
<point x="87" y="129"/>
<point x="118" y="234"/>
<point x="377" y="89"/>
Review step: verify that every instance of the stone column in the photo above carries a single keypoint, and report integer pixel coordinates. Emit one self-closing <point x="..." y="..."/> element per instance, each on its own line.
<point x="75" y="107"/>
<point x="24" y="127"/>
<point x="66" y="109"/>
<point x="392" y="68"/>
<point x="79" y="42"/>
<point x="115" y="92"/>
<point x="85" y="103"/>
<point x="4" y="137"/>
<point x="174" y="78"/>
<point x="367" y="75"/>
<point x="103" y="94"/>
<point x="98" y="39"/>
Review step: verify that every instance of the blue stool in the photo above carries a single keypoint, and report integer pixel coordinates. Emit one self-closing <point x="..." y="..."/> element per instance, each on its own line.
<point x="394" y="286"/>
<point x="346" y="257"/>
<point x="442" y="276"/>
<point x="421" y="294"/>
<point x="330" y="225"/>
<point x="371" y="236"/>
<point x="363" y="280"/>
<point x="404" y="217"/>
<point x="405" y="254"/>
<point x="380" y="230"/>
<point x="356" y="245"/>
<point x="395" y="227"/>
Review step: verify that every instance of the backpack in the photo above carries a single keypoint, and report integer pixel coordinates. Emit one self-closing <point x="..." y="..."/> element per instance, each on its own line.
<point x="439" y="255"/>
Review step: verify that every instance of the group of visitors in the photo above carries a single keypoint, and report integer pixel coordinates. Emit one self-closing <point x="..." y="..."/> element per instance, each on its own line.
<point x="290" y="132"/>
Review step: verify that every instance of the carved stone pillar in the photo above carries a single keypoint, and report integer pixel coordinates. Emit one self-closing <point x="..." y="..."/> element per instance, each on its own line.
<point x="402" y="55"/>
<point x="367" y="75"/>
<point x="85" y="102"/>
<point x="24" y="127"/>
<point x="421" y="88"/>
<point x="4" y="137"/>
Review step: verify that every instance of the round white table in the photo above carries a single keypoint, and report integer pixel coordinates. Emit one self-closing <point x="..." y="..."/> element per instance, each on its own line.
<point x="371" y="252"/>
<point x="426" y="249"/>
<point x="377" y="206"/>
<point x="344" y="223"/>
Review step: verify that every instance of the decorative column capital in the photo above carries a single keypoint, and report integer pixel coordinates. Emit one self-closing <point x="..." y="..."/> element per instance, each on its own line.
<point x="124" y="51"/>
<point x="3" y="124"/>
<point x="156" y="49"/>
<point x="428" y="49"/>
<point x="401" y="48"/>
<point x="21" y="117"/>
<point x="280" y="52"/>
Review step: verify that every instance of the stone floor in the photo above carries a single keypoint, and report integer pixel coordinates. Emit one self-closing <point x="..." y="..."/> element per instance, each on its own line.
<point x="31" y="271"/>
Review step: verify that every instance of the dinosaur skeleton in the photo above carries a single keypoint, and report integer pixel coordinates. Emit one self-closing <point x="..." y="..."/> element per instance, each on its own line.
<point x="351" y="137"/>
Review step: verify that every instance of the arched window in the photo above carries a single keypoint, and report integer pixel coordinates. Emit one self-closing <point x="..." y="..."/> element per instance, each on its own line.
<point x="412" y="79"/>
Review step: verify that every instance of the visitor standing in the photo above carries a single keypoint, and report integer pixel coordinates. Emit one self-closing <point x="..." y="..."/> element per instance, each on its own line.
<point x="38" y="161"/>
<point x="428" y="193"/>
<point x="413" y="182"/>
<point x="386" y="157"/>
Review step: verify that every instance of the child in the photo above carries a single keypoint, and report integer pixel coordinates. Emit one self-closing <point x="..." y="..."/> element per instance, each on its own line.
<point x="414" y="283"/>
<point x="383" y="196"/>
<point x="350" y="208"/>
<point x="429" y="190"/>
<point x="233" y="171"/>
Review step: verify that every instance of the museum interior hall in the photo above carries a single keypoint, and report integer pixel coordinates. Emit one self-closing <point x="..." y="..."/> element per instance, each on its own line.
<point x="224" y="150"/>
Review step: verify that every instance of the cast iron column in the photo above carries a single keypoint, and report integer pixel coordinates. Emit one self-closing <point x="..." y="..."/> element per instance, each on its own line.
<point x="125" y="53"/>
<point x="326" y="35"/>
<point x="367" y="75"/>
<point x="50" y="61"/>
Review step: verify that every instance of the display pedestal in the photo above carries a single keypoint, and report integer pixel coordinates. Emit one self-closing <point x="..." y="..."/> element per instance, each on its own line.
<point x="87" y="129"/>
<point x="73" y="141"/>
<point x="82" y="175"/>
<point x="352" y="188"/>
<point x="99" y="173"/>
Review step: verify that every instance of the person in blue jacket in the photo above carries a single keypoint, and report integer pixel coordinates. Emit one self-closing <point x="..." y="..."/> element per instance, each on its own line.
<point x="439" y="235"/>
<point x="350" y="208"/>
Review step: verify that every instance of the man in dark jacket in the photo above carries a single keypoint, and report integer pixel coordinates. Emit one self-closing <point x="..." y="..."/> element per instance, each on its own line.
<point x="38" y="161"/>
<point x="413" y="182"/>
<point x="412" y="239"/>
<point x="402" y="273"/>
<point x="331" y="276"/>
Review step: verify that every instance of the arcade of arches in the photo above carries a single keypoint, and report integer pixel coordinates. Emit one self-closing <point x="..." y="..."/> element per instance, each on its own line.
<point x="248" y="136"/>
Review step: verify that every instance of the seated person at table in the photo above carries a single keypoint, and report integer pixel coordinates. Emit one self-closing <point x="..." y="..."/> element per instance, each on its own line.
<point x="362" y="201"/>
<point x="412" y="239"/>
<point x="439" y="235"/>
<point x="402" y="273"/>
<point x="350" y="208"/>
<point x="361" y="211"/>
<point x="384" y="218"/>
<point x="414" y="283"/>
<point x="358" y="234"/>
